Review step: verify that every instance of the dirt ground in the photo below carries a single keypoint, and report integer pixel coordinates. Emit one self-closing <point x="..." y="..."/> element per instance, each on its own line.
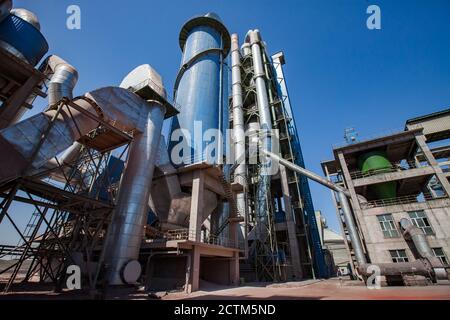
<point x="331" y="289"/>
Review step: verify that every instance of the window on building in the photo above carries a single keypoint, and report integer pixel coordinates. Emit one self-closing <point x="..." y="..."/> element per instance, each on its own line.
<point x="420" y="220"/>
<point x="398" y="256"/>
<point x="388" y="227"/>
<point x="439" y="253"/>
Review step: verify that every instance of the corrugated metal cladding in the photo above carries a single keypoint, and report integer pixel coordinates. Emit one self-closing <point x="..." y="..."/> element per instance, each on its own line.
<point x="24" y="37"/>
<point x="200" y="88"/>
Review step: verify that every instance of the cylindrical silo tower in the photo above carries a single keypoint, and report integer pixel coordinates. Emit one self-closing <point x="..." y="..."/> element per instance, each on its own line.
<point x="201" y="85"/>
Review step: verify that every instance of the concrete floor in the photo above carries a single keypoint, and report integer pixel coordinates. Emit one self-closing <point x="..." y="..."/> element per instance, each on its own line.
<point x="318" y="290"/>
<point x="331" y="289"/>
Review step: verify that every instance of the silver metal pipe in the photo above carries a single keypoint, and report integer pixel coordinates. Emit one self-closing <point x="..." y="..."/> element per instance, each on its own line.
<point x="418" y="238"/>
<point x="63" y="78"/>
<point x="132" y="205"/>
<point x="254" y="38"/>
<point x="343" y="194"/>
<point x="352" y="230"/>
<point x="238" y="132"/>
<point x="311" y="175"/>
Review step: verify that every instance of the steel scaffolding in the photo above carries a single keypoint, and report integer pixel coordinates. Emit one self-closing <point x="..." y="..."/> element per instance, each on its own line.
<point x="69" y="218"/>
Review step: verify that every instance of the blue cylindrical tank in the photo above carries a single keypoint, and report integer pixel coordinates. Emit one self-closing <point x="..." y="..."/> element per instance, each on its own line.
<point x="22" y="39"/>
<point x="201" y="84"/>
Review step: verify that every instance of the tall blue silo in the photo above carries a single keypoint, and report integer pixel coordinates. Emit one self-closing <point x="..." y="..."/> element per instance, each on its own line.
<point x="201" y="84"/>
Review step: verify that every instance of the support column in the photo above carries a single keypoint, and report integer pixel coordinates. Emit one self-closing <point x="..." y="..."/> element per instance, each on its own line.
<point x="194" y="277"/>
<point x="354" y="197"/>
<point x="291" y="228"/>
<point x="234" y="269"/>
<point x="195" y="218"/>
<point x="421" y="142"/>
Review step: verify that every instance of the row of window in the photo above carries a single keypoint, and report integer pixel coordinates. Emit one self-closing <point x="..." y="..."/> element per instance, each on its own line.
<point x="418" y="218"/>
<point x="400" y="255"/>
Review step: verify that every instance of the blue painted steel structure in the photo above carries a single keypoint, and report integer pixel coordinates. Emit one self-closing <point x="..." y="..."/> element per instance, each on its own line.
<point x="320" y="267"/>
<point x="201" y="84"/>
<point x="23" y="37"/>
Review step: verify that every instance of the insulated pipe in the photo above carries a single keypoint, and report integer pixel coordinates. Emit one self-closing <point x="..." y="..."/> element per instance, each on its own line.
<point x="253" y="37"/>
<point x="132" y="205"/>
<point x="343" y="194"/>
<point x="63" y="79"/>
<point x="418" y="238"/>
<point x="116" y="106"/>
<point x="238" y="130"/>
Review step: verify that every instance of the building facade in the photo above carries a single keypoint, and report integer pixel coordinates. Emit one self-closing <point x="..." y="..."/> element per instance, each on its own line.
<point x="401" y="175"/>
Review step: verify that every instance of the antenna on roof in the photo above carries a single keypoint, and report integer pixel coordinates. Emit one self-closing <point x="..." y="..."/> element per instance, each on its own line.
<point x="350" y="135"/>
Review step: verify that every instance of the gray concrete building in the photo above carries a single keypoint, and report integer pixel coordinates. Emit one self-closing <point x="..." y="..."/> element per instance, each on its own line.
<point x="400" y="175"/>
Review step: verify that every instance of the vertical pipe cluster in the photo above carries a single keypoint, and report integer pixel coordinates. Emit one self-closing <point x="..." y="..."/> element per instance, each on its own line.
<point x="238" y="129"/>
<point x="254" y="39"/>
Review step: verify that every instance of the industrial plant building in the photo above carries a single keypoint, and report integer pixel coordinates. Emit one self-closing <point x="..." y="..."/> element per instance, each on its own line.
<point x="222" y="197"/>
<point x="155" y="214"/>
<point x="399" y="189"/>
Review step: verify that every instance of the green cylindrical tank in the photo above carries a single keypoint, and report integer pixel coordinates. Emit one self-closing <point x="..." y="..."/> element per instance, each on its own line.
<point x="376" y="161"/>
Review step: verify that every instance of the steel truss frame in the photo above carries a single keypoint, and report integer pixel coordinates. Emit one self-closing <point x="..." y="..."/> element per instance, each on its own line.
<point x="69" y="221"/>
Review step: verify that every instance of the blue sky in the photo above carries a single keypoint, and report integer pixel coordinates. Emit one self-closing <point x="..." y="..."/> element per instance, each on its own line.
<point x="339" y="73"/>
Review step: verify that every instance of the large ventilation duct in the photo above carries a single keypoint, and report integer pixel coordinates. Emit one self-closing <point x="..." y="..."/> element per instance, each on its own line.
<point x="20" y="35"/>
<point x="118" y="106"/>
<point x="238" y="131"/>
<point x="130" y="216"/>
<point x="199" y="86"/>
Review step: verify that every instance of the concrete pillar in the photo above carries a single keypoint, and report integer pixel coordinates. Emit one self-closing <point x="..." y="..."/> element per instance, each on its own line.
<point x="291" y="228"/>
<point x="421" y="142"/>
<point x="195" y="218"/>
<point x="234" y="269"/>
<point x="354" y="198"/>
<point x="194" y="277"/>
<point x="338" y="214"/>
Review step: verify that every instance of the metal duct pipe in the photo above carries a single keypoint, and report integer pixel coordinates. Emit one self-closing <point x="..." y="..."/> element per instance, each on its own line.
<point x="238" y="130"/>
<point x="343" y="194"/>
<point x="417" y="267"/>
<point x="246" y="49"/>
<point x="132" y="206"/>
<point x="5" y="9"/>
<point x="119" y="107"/>
<point x="63" y="78"/>
<point x="353" y="232"/>
<point x="418" y="238"/>
<point x="254" y="38"/>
